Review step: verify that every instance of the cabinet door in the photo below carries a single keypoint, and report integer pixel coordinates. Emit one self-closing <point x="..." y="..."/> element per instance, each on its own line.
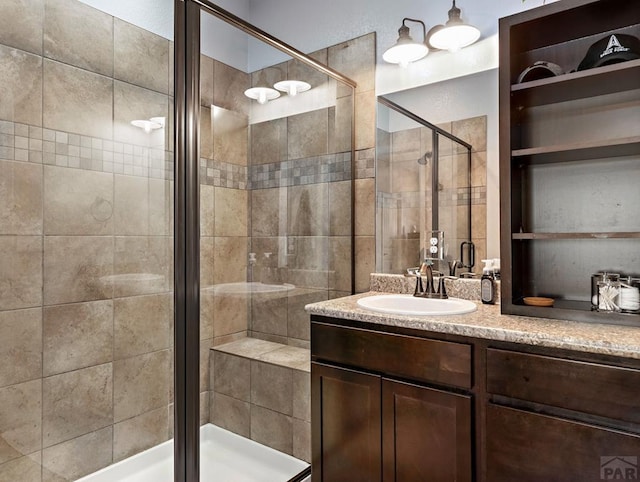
<point x="345" y="406"/>
<point x="426" y="434"/>
<point x="525" y="446"/>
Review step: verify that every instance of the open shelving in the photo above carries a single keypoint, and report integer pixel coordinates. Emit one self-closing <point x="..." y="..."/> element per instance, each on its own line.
<point x="569" y="160"/>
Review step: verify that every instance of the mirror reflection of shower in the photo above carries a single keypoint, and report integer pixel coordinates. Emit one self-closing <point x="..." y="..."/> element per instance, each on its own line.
<point x="417" y="199"/>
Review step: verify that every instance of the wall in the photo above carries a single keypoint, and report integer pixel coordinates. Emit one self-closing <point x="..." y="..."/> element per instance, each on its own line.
<point x="311" y="25"/>
<point x="85" y="240"/>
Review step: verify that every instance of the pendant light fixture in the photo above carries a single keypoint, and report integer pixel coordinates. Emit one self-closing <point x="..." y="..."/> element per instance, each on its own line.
<point x="149" y="125"/>
<point x="455" y="34"/>
<point x="407" y="50"/>
<point x="262" y="92"/>
<point x="292" y="87"/>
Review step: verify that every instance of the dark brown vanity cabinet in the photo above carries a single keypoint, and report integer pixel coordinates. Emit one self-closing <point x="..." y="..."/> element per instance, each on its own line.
<point x="569" y="159"/>
<point x="551" y="418"/>
<point x="372" y="424"/>
<point x="399" y="404"/>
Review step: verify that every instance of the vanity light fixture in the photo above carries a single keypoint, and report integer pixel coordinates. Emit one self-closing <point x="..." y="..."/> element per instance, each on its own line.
<point x="406" y="49"/>
<point x="292" y="87"/>
<point x="150" y="124"/>
<point x="455" y="34"/>
<point x="262" y="92"/>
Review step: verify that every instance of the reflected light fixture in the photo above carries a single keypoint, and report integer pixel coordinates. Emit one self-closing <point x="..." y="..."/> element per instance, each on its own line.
<point x="406" y="49"/>
<point x="262" y="92"/>
<point x="292" y="87"/>
<point x="150" y="124"/>
<point x="455" y="34"/>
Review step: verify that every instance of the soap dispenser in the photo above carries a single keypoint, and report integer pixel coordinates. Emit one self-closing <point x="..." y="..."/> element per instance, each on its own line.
<point x="487" y="283"/>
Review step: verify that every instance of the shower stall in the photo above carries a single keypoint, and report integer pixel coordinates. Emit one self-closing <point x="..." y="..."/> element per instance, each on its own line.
<point x="160" y="235"/>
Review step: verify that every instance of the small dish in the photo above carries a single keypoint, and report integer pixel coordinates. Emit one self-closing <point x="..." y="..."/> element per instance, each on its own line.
<point x="537" y="301"/>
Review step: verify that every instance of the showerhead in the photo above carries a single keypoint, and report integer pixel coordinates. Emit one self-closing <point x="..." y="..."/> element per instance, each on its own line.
<point x="424" y="160"/>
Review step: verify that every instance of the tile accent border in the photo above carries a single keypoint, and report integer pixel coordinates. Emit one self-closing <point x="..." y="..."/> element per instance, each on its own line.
<point x="365" y="163"/>
<point x="298" y="172"/>
<point x="26" y="143"/>
<point x="222" y="174"/>
<point x="33" y="144"/>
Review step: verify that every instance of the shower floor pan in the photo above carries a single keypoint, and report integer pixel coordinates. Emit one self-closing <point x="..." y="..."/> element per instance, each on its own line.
<point x="224" y="457"/>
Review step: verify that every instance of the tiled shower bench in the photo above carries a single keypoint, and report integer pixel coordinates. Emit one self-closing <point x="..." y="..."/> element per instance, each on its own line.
<point x="260" y="390"/>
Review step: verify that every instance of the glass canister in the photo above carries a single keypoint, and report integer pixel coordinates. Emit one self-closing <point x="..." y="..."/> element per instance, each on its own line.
<point x="595" y="279"/>
<point x="609" y="292"/>
<point x="629" y="297"/>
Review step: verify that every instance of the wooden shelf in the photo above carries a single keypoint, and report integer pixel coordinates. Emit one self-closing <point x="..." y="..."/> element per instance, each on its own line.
<point x="579" y="151"/>
<point x="572" y="310"/>
<point x="578" y="85"/>
<point x="604" y="235"/>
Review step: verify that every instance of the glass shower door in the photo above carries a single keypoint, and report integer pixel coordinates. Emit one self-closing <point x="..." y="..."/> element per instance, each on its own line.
<point x="275" y="234"/>
<point x="86" y="245"/>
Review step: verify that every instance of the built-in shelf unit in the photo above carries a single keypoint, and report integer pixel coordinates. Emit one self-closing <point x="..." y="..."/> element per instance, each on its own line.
<point x="569" y="159"/>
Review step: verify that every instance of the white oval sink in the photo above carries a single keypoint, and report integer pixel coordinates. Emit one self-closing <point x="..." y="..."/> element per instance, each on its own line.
<point x="412" y="305"/>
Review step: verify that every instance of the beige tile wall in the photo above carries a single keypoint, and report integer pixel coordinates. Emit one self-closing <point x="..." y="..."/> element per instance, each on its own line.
<point x="86" y="312"/>
<point x="85" y="226"/>
<point x="356" y="59"/>
<point x="224" y="208"/>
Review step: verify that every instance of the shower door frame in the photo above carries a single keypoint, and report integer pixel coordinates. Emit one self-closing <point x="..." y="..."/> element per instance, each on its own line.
<point x="187" y="222"/>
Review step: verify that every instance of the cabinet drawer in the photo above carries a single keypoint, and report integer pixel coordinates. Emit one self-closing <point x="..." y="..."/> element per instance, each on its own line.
<point x="528" y="447"/>
<point x="404" y="356"/>
<point x="591" y="388"/>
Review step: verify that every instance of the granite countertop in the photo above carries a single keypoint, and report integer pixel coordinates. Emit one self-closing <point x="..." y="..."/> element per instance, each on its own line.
<point x="488" y="323"/>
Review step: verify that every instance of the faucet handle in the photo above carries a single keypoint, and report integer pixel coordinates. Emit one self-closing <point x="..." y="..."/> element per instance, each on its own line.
<point x="419" y="288"/>
<point x="442" y="290"/>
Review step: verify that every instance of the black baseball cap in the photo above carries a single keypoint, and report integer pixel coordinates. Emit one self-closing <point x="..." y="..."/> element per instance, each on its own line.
<point x="540" y="70"/>
<point x="610" y="50"/>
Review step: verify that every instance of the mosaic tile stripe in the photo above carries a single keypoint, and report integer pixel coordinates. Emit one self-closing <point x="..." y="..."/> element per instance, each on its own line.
<point x="448" y="197"/>
<point x="222" y="174"/>
<point x="312" y="170"/>
<point x="366" y="163"/>
<point x="25" y="143"/>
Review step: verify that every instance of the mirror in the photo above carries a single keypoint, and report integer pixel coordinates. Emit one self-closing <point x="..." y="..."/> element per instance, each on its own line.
<point x="467" y="108"/>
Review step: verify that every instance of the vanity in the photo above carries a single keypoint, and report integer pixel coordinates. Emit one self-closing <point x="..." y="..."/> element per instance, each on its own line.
<point x="480" y="396"/>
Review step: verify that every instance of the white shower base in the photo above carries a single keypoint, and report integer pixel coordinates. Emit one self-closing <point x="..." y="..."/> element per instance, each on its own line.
<point x="224" y="457"/>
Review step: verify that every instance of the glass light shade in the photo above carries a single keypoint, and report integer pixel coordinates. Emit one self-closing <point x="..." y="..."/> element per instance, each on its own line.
<point x="404" y="52"/>
<point x="292" y="87"/>
<point x="158" y="120"/>
<point x="454" y="37"/>
<point x="147" y="125"/>
<point x="262" y="94"/>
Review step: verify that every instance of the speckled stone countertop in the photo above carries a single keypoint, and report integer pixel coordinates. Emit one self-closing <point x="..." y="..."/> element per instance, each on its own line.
<point x="488" y="323"/>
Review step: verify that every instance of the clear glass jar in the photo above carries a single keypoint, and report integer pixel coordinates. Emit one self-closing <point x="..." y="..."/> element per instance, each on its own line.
<point x="595" y="279"/>
<point x="609" y="292"/>
<point x="629" y="297"/>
